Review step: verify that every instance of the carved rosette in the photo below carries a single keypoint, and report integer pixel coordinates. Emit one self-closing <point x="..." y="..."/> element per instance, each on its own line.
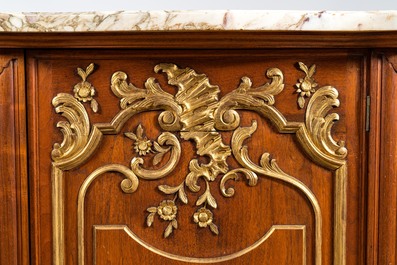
<point x="306" y="86"/>
<point x="196" y="113"/>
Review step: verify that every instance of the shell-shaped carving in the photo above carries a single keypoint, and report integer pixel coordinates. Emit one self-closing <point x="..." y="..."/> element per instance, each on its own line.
<point x="199" y="100"/>
<point x="196" y="95"/>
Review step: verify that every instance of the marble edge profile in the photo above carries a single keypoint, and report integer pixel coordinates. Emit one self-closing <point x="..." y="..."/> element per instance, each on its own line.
<point x="199" y="20"/>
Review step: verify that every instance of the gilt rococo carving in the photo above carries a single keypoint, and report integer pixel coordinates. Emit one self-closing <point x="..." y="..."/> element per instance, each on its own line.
<point x="196" y="113"/>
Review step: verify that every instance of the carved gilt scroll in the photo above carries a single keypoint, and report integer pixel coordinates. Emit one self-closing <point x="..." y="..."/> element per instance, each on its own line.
<point x="196" y="113"/>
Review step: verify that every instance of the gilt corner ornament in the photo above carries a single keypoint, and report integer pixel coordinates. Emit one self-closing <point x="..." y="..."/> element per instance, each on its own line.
<point x="197" y="113"/>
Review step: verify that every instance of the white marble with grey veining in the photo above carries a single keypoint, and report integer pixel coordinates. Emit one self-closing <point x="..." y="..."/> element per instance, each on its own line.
<point x="198" y="20"/>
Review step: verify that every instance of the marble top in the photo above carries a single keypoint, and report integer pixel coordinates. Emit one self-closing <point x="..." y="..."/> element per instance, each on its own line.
<point x="199" y="20"/>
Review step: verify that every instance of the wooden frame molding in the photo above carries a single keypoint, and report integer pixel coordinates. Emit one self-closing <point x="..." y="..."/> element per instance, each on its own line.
<point x="203" y="39"/>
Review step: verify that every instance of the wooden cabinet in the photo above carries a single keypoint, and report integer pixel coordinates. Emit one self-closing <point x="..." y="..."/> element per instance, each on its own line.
<point x="188" y="148"/>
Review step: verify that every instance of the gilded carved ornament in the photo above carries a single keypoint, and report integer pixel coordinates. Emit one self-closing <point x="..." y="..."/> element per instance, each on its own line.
<point x="85" y="91"/>
<point x="306" y="86"/>
<point x="197" y="114"/>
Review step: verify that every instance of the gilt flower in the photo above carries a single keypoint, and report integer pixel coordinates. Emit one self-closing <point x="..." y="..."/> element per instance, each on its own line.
<point x="142" y="145"/>
<point x="203" y="217"/>
<point x="167" y="210"/>
<point x="306" y="85"/>
<point x="84" y="91"/>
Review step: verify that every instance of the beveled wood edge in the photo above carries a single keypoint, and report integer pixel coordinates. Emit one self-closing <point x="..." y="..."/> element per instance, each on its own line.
<point x="372" y="157"/>
<point x="211" y="39"/>
<point x="31" y="84"/>
<point x="387" y="189"/>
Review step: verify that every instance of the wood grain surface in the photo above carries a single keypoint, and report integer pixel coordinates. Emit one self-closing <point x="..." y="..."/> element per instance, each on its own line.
<point x="388" y="154"/>
<point x="203" y="39"/>
<point x="14" y="235"/>
<point x="242" y="219"/>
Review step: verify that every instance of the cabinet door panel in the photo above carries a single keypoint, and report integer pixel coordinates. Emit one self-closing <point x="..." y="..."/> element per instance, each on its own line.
<point x="197" y="156"/>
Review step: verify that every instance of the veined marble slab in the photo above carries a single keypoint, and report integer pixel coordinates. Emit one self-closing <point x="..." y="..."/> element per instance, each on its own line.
<point x="198" y="20"/>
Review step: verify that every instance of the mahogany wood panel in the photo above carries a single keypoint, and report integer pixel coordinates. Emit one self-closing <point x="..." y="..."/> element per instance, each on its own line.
<point x="388" y="157"/>
<point x="202" y="39"/>
<point x="290" y="253"/>
<point x="14" y="237"/>
<point x="243" y="218"/>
